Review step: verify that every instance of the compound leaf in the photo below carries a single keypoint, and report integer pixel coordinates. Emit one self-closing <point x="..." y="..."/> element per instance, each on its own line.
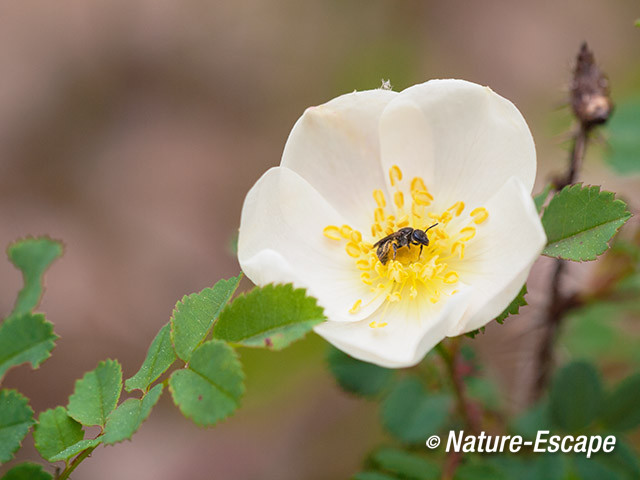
<point x="273" y="316"/>
<point x="125" y="420"/>
<point x="358" y="377"/>
<point x="32" y="256"/>
<point x="579" y="221"/>
<point x="96" y="394"/>
<point x="25" y="338"/>
<point x="194" y="315"/>
<point x="210" y="388"/>
<point x="160" y="357"/>
<point x="16" y="417"/>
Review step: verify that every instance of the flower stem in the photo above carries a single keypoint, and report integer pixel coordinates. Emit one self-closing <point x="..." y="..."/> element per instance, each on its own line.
<point x="76" y="461"/>
<point x="451" y="359"/>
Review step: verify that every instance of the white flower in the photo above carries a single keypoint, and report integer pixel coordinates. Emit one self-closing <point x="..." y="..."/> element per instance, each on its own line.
<point x="366" y="164"/>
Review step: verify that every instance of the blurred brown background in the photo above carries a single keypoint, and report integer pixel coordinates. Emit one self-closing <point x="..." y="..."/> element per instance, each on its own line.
<point x="132" y="130"/>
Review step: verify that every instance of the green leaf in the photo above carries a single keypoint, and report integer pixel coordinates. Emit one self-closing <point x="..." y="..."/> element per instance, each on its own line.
<point x="373" y="476"/>
<point x="194" y="315"/>
<point x="579" y="221"/>
<point x="479" y="471"/>
<point x="405" y="464"/>
<point x="514" y="306"/>
<point x="25" y="338"/>
<point x="27" y="471"/>
<point x="411" y="414"/>
<point x="620" y="464"/>
<point x="16" y="417"/>
<point x="125" y="420"/>
<point x="624" y="142"/>
<point x="96" y="394"/>
<point x="621" y="410"/>
<point x="542" y="197"/>
<point x="272" y="316"/>
<point x="358" y="377"/>
<point x="210" y="389"/>
<point x="576" y="396"/>
<point x="159" y="358"/>
<point x="57" y="436"/>
<point x="32" y="256"/>
<point x="528" y="423"/>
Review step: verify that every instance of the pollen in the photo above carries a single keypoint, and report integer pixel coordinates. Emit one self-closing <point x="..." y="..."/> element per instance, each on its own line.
<point x="400" y="269"/>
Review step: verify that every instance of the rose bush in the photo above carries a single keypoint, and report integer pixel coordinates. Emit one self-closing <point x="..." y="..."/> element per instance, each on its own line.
<point x="448" y="153"/>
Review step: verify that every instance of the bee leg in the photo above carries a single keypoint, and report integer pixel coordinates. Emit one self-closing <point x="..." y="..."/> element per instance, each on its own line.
<point x="420" y="250"/>
<point x="395" y="250"/>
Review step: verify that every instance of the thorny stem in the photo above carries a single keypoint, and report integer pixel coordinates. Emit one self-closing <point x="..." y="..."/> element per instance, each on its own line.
<point x="559" y="303"/>
<point x="591" y="106"/>
<point x="76" y="461"/>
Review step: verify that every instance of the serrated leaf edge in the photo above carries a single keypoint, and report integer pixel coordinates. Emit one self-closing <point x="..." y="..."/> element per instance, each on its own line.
<point x="580" y="186"/>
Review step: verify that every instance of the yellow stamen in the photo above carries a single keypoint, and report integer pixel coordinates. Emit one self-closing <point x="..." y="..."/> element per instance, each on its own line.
<point x="353" y="250"/>
<point x="378" y="196"/>
<point x="458" y="207"/>
<point x="468" y="233"/>
<point x="345" y="231"/>
<point x="417" y="184"/>
<point x="410" y="271"/>
<point x="332" y="232"/>
<point x="451" y="277"/>
<point x="458" y="246"/>
<point x="421" y="197"/>
<point x="375" y="324"/>
<point x="479" y="215"/>
<point x="395" y="175"/>
<point x="356" y="306"/>
<point x="398" y="199"/>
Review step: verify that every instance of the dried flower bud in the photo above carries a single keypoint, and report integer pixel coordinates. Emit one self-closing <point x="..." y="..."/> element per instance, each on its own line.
<point x="590" y="91"/>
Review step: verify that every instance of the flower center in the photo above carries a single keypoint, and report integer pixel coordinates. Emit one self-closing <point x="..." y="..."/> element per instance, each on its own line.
<point x="405" y="260"/>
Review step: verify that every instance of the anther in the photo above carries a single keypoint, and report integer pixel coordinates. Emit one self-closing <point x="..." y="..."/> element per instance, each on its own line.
<point x="417" y="184"/>
<point x="378" y="196"/>
<point x="395" y="175"/>
<point x="345" y="231"/>
<point x="378" y="215"/>
<point x="353" y="250"/>
<point x="451" y="278"/>
<point x="421" y="197"/>
<point x="356" y="306"/>
<point x="356" y="236"/>
<point x="398" y="199"/>
<point x="457" y="207"/>
<point x="332" y="232"/>
<point x="479" y="215"/>
<point x="468" y="233"/>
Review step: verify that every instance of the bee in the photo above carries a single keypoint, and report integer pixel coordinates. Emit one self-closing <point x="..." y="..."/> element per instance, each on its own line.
<point x="405" y="237"/>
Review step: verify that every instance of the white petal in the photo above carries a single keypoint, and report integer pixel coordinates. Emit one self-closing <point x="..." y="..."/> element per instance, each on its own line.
<point x="413" y="328"/>
<point x="281" y="241"/>
<point x="497" y="261"/>
<point x="335" y="147"/>
<point x="463" y="139"/>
